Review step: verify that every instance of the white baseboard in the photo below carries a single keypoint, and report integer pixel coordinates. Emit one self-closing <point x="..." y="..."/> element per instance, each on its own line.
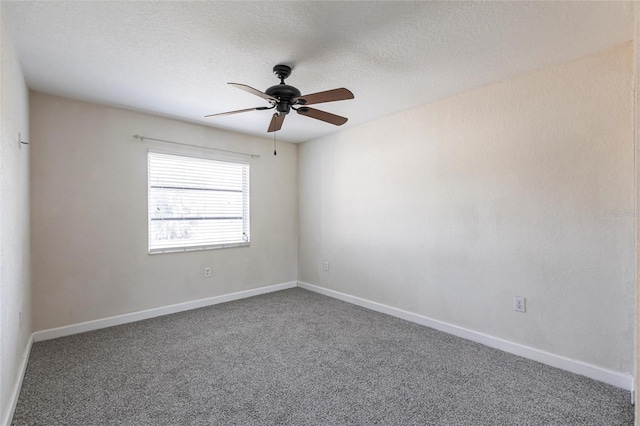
<point x="82" y="327"/>
<point x="13" y="402"/>
<point x="621" y="380"/>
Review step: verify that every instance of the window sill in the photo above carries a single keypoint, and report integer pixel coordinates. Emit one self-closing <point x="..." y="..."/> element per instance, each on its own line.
<point x="195" y="248"/>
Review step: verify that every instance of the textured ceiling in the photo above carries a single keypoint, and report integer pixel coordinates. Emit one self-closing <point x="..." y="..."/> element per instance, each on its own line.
<point x="175" y="58"/>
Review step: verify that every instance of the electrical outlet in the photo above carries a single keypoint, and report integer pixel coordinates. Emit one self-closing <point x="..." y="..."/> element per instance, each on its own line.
<point x="207" y="272"/>
<point x="519" y="304"/>
<point x="325" y="265"/>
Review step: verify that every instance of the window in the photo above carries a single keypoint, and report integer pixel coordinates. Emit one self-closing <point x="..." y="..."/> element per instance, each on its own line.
<point x="196" y="203"/>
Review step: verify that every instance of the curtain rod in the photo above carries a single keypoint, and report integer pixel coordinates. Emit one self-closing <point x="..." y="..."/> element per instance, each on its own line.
<point x="142" y="138"/>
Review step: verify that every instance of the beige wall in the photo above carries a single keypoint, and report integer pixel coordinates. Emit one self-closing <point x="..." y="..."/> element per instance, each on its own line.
<point x="89" y="212"/>
<point x="519" y="188"/>
<point x="14" y="221"/>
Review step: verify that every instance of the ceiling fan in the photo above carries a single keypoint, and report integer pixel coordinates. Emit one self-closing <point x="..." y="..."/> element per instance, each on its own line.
<point x="285" y="98"/>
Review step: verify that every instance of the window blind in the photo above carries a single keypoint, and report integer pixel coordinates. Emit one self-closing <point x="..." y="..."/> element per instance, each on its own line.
<point x="196" y="203"/>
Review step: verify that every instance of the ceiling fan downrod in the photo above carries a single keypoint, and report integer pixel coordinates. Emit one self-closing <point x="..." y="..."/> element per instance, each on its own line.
<point x="282" y="72"/>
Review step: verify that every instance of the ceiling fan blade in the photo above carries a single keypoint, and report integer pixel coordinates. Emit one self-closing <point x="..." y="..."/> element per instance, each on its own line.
<point x="322" y="115"/>
<point x="253" y="91"/>
<point x="276" y="122"/>
<point x="237" y="111"/>
<point x="326" y="96"/>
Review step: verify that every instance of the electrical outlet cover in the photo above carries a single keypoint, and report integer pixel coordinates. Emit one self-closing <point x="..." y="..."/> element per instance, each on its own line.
<point x="519" y="304"/>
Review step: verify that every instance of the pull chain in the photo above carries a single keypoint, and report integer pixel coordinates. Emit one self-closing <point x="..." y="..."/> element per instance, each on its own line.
<point x="274" y="143"/>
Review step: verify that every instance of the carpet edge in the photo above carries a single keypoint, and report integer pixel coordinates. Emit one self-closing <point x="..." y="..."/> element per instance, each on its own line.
<point x="68" y="330"/>
<point x="614" y="378"/>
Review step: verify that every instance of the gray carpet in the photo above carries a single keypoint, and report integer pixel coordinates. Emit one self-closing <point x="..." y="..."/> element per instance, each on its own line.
<point x="298" y="358"/>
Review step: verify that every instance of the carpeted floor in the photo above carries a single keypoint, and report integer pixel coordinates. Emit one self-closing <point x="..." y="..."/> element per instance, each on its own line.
<point x="298" y="358"/>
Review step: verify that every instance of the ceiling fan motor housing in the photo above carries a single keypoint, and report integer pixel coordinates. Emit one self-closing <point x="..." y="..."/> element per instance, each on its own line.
<point x="282" y="91"/>
<point x="285" y="93"/>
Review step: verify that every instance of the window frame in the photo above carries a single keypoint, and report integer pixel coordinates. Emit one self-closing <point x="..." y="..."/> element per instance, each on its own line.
<point x="200" y="247"/>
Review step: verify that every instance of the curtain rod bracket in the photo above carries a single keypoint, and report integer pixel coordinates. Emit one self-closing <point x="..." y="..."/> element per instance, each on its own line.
<point x="20" y="141"/>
